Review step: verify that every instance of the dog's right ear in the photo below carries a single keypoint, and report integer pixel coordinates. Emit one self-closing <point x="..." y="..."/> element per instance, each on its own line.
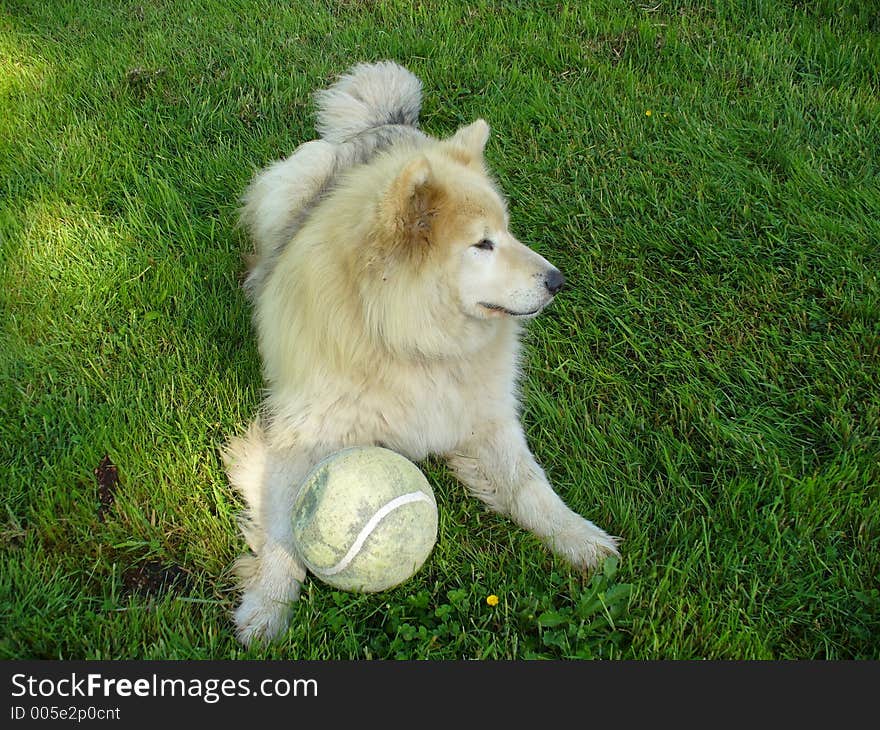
<point x="468" y="143"/>
<point x="410" y="204"/>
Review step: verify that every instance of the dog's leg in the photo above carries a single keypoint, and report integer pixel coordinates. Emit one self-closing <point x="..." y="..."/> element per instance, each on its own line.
<point x="497" y="467"/>
<point x="271" y="577"/>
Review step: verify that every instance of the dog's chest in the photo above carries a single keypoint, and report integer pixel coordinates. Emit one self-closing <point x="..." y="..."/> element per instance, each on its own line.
<point x="432" y="409"/>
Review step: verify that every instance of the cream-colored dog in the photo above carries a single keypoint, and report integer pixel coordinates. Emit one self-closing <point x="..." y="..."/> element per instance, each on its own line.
<point x="389" y="296"/>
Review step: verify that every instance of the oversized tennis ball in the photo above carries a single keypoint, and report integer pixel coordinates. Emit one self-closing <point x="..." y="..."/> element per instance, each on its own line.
<point x="365" y="519"/>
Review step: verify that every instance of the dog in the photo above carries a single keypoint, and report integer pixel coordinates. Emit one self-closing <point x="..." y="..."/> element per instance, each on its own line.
<point x="389" y="298"/>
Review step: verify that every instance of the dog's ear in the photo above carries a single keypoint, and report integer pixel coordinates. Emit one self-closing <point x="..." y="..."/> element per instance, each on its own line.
<point x="411" y="180"/>
<point x="468" y="143"/>
<point x="410" y="205"/>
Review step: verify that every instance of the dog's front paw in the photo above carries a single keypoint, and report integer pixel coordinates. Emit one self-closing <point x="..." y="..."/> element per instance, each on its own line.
<point x="261" y="617"/>
<point x="583" y="544"/>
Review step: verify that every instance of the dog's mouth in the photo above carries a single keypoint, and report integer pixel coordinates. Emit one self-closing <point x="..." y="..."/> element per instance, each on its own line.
<point x="504" y="310"/>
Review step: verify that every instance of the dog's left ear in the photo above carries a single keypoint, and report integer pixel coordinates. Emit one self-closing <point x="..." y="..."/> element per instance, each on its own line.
<point x="468" y="143"/>
<point x="409" y="206"/>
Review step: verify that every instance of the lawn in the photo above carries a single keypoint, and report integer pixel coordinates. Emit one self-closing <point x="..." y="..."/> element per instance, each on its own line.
<point x="706" y="175"/>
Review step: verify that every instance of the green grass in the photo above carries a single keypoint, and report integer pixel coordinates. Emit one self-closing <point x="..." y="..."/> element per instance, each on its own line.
<point x="708" y="387"/>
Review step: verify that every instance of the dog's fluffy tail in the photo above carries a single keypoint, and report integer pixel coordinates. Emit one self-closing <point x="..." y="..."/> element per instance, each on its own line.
<point x="369" y="95"/>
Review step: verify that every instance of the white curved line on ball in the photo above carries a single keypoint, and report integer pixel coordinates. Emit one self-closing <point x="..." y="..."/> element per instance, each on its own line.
<point x="381" y="513"/>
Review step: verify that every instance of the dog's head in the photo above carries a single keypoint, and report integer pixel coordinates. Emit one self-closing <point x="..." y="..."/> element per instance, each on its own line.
<point x="445" y="221"/>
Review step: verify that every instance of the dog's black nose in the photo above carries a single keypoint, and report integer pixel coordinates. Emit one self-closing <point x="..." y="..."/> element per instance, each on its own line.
<point x="554" y="281"/>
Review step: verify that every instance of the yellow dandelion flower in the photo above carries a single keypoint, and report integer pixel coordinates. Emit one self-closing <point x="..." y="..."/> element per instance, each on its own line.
<point x="492" y="600"/>
<point x="648" y="112"/>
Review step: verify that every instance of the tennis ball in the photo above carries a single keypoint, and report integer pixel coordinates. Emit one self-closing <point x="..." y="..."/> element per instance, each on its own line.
<point x="365" y="519"/>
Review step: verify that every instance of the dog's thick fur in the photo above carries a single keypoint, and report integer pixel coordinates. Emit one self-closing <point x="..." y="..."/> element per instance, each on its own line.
<point x="389" y="297"/>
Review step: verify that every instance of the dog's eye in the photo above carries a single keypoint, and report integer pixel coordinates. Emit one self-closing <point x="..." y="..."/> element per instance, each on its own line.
<point x="485" y="245"/>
